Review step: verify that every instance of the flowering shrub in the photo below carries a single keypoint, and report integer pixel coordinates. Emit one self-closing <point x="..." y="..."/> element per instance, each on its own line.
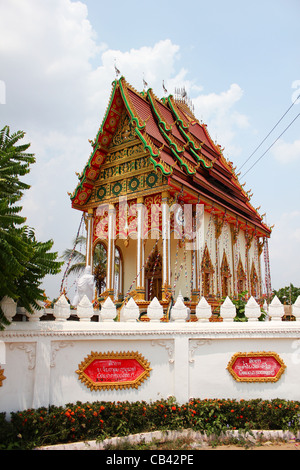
<point x="99" y="420"/>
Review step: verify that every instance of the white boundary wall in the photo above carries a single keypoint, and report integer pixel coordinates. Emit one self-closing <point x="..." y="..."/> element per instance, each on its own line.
<point x="188" y="360"/>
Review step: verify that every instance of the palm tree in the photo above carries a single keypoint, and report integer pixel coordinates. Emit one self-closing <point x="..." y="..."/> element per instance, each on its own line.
<point x="79" y="261"/>
<point x="77" y="258"/>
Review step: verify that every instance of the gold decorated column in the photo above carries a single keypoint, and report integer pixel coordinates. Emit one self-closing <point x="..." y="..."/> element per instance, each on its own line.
<point x="166" y="261"/>
<point x="110" y="272"/>
<point x="140" y="270"/>
<point x="89" y="238"/>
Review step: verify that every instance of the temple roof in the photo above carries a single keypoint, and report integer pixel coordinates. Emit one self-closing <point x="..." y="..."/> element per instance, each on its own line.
<point x="179" y="147"/>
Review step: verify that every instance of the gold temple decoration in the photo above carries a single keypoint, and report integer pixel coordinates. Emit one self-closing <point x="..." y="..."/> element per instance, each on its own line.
<point x="2" y="377"/>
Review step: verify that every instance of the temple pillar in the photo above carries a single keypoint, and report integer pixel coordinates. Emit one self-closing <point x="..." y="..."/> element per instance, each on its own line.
<point x="89" y="238"/>
<point x="234" y="253"/>
<point x="259" y="251"/>
<point x="166" y="258"/>
<point x="140" y="270"/>
<point x="248" y="241"/>
<point x="218" y="231"/>
<point x="196" y="257"/>
<point x="110" y="272"/>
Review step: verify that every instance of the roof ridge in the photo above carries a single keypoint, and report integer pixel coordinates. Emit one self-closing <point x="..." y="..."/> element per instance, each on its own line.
<point x="187" y="135"/>
<point x="178" y="153"/>
<point x="135" y="118"/>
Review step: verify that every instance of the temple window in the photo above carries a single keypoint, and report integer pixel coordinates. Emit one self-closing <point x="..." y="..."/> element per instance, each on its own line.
<point x="225" y="276"/>
<point x="241" y="277"/>
<point x="254" y="282"/>
<point x="207" y="271"/>
<point x="100" y="269"/>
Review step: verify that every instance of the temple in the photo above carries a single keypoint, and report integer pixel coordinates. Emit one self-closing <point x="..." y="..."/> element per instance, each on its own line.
<point x="165" y="207"/>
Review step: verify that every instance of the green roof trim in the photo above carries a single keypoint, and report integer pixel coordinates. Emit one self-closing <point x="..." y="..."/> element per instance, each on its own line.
<point x="172" y="144"/>
<point x="178" y="119"/>
<point x="152" y="154"/>
<point x="181" y="126"/>
<point x="115" y="83"/>
<point x="134" y="119"/>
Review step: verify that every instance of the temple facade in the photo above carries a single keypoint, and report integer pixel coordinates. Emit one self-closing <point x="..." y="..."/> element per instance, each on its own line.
<point x="165" y="206"/>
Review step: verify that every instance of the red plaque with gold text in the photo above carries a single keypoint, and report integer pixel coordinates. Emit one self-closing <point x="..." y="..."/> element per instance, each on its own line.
<point x="113" y="370"/>
<point x="256" y="367"/>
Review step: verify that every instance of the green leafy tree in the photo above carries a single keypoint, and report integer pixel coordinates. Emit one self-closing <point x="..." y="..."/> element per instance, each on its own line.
<point x="240" y="304"/>
<point x="24" y="261"/>
<point x="287" y="295"/>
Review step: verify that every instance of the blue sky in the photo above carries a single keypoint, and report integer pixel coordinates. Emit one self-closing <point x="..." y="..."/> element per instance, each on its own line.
<point x="239" y="62"/>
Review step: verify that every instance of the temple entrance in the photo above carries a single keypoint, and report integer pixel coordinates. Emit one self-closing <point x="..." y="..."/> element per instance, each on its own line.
<point x="153" y="277"/>
<point x="155" y="289"/>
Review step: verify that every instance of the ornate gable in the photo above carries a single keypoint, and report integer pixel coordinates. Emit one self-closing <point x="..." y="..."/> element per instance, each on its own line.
<point x="146" y="144"/>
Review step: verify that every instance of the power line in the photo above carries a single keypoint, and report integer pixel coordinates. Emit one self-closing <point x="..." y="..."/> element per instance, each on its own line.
<point x="271" y="145"/>
<point x="270" y="132"/>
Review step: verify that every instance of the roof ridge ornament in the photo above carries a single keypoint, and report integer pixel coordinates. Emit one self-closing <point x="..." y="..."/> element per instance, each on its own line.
<point x="181" y="96"/>
<point x="164" y="88"/>
<point x="117" y="70"/>
<point x="144" y="82"/>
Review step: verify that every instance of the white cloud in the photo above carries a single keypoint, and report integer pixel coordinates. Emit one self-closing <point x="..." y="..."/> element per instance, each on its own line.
<point x="217" y="111"/>
<point x="56" y="95"/>
<point x="45" y="50"/>
<point x="286" y="152"/>
<point x="213" y="103"/>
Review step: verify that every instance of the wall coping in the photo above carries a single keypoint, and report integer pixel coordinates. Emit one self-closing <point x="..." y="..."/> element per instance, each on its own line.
<point x="211" y="330"/>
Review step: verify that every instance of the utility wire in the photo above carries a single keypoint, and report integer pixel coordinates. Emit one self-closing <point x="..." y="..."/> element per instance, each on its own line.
<point x="269" y="132"/>
<point x="271" y="145"/>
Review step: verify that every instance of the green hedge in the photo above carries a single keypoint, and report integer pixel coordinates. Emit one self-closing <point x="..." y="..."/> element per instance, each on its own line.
<point x="99" y="420"/>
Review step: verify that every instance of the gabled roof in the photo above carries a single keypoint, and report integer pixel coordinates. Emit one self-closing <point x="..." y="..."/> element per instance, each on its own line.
<point x="178" y="145"/>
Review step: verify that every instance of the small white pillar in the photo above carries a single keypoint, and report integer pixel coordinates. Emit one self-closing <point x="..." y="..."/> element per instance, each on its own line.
<point x="179" y="311"/>
<point x="85" y="309"/>
<point x="108" y="311"/>
<point x="296" y="309"/>
<point x="276" y="309"/>
<point x="131" y="311"/>
<point x="252" y="310"/>
<point x="203" y="310"/>
<point x="62" y="309"/>
<point x="9" y="308"/>
<point x="228" y="310"/>
<point x="155" y="311"/>
<point x="36" y="315"/>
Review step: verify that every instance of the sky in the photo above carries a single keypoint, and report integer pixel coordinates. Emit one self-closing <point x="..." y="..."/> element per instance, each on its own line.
<point x="238" y="61"/>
